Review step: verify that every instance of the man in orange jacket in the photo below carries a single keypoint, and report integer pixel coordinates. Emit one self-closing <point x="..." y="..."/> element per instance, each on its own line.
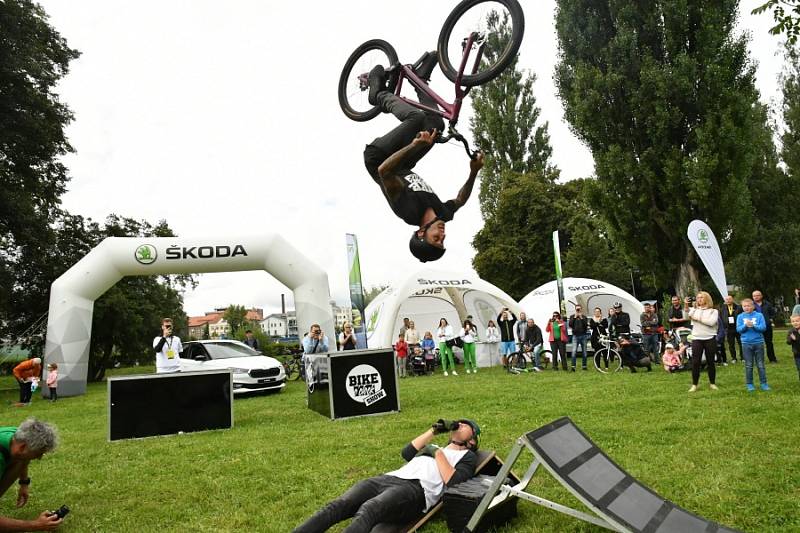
<point x="24" y="372"/>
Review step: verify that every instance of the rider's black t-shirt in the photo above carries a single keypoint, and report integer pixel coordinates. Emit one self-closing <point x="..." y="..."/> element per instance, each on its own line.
<point x="416" y="197"/>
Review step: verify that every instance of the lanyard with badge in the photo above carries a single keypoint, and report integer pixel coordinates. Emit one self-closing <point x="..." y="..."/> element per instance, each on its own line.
<point x="170" y="351"/>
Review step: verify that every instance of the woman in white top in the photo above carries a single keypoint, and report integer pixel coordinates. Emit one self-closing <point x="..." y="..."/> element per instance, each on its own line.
<point x="443" y="334"/>
<point x="412" y="336"/>
<point x="347" y="338"/>
<point x="469" y="334"/>
<point x="492" y="338"/>
<point x="704" y="336"/>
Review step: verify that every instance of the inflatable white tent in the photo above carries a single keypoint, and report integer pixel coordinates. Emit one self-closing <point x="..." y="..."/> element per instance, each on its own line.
<point x="428" y="295"/>
<point x="540" y="303"/>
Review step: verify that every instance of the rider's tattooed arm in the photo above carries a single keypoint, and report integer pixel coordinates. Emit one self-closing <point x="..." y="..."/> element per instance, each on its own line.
<point x="395" y="161"/>
<point x="466" y="190"/>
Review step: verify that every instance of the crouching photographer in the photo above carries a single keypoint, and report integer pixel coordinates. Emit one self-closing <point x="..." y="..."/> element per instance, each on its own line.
<point x="402" y="495"/>
<point x="633" y="355"/>
<point x="18" y="447"/>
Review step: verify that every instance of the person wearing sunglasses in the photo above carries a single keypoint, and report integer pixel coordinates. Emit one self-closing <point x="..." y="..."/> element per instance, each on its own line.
<point x="390" y="159"/>
<point x="558" y="339"/>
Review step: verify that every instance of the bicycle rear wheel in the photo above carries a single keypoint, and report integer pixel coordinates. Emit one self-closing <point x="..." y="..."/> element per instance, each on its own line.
<point x="500" y="22"/>
<point x="353" y="86"/>
<point x="607" y="361"/>
<point x="292" y="371"/>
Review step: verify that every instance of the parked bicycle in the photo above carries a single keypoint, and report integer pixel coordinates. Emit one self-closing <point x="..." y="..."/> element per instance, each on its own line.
<point x="522" y="362"/>
<point x="293" y="365"/>
<point x="463" y="38"/>
<point x="607" y="359"/>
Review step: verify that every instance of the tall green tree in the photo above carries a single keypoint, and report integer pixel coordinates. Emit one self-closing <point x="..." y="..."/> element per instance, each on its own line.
<point x="519" y="198"/>
<point x="662" y="92"/>
<point x="33" y="58"/>
<point x="505" y="124"/>
<point x="235" y="316"/>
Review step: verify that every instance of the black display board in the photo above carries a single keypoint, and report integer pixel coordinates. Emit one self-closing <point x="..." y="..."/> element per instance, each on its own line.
<point x="166" y="404"/>
<point x="353" y="383"/>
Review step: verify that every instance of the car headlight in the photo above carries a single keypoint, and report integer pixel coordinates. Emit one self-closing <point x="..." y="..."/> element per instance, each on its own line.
<point x="240" y="370"/>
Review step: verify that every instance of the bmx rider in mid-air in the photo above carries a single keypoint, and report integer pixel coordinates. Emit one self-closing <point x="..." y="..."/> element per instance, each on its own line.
<point x="391" y="158"/>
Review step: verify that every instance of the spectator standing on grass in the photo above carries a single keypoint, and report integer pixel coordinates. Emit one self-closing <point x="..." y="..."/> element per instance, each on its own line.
<point x="579" y="325"/>
<point x="24" y="374"/>
<point x="705" y="321"/>
<point x="728" y="311"/>
<point x="168" y="348"/>
<point x="650" y="323"/>
<point x="519" y="330"/>
<point x="751" y="326"/>
<point x="401" y="353"/>
<point x="347" y="338"/>
<point x="492" y="339"/>
<point x="677" y="316"/>
<point x="412" y="336"/>
<point x="444" y="333"/>
<point x="505" y="322"/>
<point x="558" y="339"/>
<point x="18" y="447"/>
<point x="250" y="340"/>
<point x="793" y="340"/>
<point x="469" y="334"/>
<point x="52" y="381"/>
<point x="428" y="344"/>
<point x="768" y="311"/>
<point x="598" y="326"/>
<point x="620" y="323"/>
<point x="404" y="327"/>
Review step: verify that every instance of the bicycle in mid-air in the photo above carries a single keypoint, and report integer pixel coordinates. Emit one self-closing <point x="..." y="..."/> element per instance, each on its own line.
<point x="463" y="40"/>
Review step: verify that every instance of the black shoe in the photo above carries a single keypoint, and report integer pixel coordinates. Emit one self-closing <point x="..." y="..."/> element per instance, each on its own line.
<point x="377" y="83"/>
<point x="425" y="65"/>
<point x="584" y="368"/>
<point x="573" y="369"/>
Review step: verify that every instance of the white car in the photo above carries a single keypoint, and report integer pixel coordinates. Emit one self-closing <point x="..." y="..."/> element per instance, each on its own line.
<point x="252" y="371"/>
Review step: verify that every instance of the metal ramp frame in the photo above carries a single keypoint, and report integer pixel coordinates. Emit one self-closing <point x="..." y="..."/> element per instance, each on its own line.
<point x="619" y="502"/>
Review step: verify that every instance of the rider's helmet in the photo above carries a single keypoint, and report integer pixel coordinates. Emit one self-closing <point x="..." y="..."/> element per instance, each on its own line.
<point x="423" y="250"/>
<point x="617" y="305"/>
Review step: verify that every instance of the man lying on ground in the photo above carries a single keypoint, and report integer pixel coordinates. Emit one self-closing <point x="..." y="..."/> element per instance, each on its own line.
<point x="402" y="495"/>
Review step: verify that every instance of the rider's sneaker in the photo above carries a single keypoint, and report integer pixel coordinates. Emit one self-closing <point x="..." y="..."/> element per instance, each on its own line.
<point x="425" y="65"/>
<point x="377" y="83"/>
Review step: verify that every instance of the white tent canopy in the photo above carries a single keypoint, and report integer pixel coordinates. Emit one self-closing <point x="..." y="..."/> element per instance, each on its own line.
<point x="540" y="303"/>
<point x="428" y="295"/>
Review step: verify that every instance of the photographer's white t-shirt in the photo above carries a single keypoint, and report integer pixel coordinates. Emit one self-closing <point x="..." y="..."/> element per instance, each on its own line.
<point x="424" y="469"/>
<point x="169" y="358"/>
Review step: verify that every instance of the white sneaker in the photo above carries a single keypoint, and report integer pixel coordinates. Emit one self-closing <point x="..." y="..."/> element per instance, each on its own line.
<point x="693" y="388"/>
<point x="455" y="373"/>
<point x="537" y="369"/>
<point x="713" y="387"/>
<point x="445" y="373"/>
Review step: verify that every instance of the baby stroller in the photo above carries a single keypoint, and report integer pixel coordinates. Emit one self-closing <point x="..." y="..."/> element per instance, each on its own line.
<point x="681" y="338"/>
<point x="417" y="364"/>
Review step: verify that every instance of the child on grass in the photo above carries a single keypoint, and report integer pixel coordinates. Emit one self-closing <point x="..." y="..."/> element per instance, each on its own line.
<point x="671" y="360"/>
<point x="52" y="381"/>
<point x="401" y="350"/>
<point x="793" y="339"/>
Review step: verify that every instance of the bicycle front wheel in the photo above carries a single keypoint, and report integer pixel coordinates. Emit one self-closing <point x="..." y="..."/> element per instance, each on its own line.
<point x="353" y="84"/>
<point x="607" y="361"/>
<point x="292" y="372"/>
<point x="499" y="22"/>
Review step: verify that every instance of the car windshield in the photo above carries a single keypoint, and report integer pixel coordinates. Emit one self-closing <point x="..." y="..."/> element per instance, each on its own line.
<point x="229" y="350"/>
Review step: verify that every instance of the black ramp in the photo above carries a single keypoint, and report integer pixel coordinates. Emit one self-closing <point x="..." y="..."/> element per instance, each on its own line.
<point x="605" y="487"/>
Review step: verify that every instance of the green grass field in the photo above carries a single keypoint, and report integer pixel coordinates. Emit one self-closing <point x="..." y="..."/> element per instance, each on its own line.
<point x="728" y="455"/>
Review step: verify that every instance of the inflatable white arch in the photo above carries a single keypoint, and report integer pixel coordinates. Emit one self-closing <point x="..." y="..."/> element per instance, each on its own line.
<point x="540" y="303"/>
<point x="72" y="296"/>
<point x="428" y="295"/>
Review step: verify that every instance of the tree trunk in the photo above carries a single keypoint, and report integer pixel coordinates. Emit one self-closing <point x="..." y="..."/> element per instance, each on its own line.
<point x="688" y="280"/>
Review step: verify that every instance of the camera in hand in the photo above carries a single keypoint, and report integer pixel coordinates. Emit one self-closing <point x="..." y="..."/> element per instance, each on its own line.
<point x="61" y="512"/>
<point x="443" y="426"/>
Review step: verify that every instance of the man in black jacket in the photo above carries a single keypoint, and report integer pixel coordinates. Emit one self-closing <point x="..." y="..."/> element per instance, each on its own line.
<point x="533" y="342"/>
<point x="505" y="323"/>
<point x="620" y="323"/>
<point x="579" y="325"/>
<point x="728" y="312"/>
<point x="402" y="495"/>
<point x="768" y="310"/>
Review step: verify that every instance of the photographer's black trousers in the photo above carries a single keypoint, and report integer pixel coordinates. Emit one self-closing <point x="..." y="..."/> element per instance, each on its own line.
<point x="370" y="502"/>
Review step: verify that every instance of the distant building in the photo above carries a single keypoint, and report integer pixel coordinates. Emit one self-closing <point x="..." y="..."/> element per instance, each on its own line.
<point x="218" y="326"/>
<point x="341" y="315"/>
<point x="280" y="325"/>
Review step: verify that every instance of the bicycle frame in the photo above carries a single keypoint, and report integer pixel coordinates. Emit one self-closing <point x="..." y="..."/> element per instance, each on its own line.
<point x="448" y="111"/>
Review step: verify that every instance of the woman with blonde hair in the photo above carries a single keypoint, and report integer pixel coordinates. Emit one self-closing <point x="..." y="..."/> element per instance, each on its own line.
<point x="704" y="336"/>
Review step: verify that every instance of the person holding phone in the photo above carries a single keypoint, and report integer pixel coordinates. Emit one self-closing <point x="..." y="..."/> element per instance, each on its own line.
<point x="168" y="349"/>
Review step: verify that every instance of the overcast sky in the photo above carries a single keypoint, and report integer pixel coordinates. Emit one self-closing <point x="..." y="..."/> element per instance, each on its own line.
<point x="222" y="118"/>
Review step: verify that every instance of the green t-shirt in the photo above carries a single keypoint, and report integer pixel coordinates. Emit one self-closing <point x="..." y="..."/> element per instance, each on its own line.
<point x="6" y="434"/>
<point x="556" y="331"/>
